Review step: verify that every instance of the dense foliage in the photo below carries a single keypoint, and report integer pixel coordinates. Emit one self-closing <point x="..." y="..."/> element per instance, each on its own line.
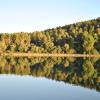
<point x="82" y="37"/>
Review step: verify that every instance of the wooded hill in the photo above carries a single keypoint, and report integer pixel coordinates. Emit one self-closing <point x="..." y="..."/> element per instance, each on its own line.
<point x="78" y="38"/>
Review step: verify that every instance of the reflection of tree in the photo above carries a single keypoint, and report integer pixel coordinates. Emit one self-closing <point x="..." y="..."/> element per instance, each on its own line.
<point x="81" y="72"/>
<point x="88" y="68"/>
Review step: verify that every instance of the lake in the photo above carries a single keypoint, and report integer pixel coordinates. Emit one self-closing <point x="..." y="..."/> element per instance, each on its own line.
<point x="43" y="78"/>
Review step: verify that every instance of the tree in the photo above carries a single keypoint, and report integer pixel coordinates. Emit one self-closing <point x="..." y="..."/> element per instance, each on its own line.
<point x="88" y="42"/>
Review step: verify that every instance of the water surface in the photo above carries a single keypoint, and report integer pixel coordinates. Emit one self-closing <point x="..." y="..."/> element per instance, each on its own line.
<point x="49" y="79"/>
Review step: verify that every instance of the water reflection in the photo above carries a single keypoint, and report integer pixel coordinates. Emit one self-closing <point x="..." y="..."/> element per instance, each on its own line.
<point x="84" y="72"/>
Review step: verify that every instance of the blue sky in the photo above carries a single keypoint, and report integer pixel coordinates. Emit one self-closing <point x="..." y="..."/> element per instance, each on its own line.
<point x="32" y="15"/>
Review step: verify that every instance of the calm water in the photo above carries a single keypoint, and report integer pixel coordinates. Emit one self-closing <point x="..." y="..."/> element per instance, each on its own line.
<point x="49" y="79"/>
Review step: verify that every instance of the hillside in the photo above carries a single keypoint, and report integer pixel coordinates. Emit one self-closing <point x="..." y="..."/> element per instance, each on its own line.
<point x="78" y="38"/>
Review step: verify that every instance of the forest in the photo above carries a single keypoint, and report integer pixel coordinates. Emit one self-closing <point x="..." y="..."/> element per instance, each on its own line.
<point x="77" y="38"/>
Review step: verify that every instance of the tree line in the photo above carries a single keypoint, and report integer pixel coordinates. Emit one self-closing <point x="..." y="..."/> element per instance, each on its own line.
<point x="81" y="37"/>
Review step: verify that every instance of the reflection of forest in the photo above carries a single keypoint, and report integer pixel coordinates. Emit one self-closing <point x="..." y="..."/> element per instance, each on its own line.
<point x="81" y="71"/>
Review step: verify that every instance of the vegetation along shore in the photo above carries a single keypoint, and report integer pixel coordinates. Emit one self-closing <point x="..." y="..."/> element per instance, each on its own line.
<point x="79" y="39"/>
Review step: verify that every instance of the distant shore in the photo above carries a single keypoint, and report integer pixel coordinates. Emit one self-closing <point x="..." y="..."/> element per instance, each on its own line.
<point x="17" y="54"/>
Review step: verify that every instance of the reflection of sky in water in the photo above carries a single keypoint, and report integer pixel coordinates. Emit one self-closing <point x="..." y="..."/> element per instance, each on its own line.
<point x="29" y="88"/>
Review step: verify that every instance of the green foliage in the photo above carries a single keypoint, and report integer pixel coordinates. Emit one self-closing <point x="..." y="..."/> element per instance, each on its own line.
<point x="81" y="37"/>
<point x="88" y="42"/>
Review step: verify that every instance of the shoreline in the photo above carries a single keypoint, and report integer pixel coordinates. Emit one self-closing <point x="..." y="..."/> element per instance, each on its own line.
<point x="49" y="55"/>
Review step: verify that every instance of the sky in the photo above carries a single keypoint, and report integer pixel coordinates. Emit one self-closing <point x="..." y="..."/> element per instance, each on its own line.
<point x="37" y="15"/>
